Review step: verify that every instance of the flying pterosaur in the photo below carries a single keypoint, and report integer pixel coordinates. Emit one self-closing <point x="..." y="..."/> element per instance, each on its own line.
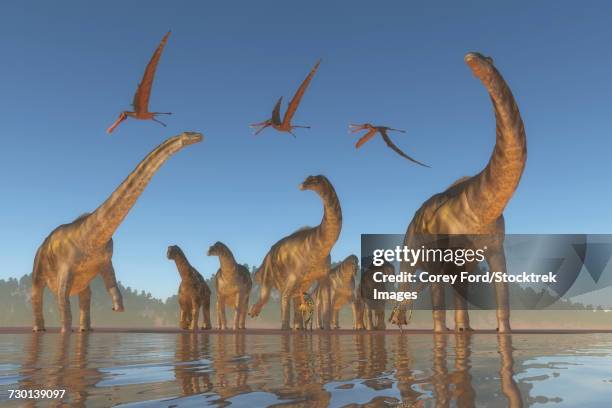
<point x="383" y="132"/>
<point x="141" y="98"/>
<point x="285" y="125"/>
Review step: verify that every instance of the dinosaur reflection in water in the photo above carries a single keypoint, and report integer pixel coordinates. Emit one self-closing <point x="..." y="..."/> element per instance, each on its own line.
<point x="366" y="369"/>
<point x="189" y="348"/>
<point x="48" y="365"/>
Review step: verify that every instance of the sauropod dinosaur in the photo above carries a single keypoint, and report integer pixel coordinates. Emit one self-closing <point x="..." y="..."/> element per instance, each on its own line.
<point x="474" y="205"/>
<point x="340" y="283"/>
<point x="73" y="254"/>
<point x="233" y="285"/>
<point x="193" y="292"/>
<point x="296" y="261"/>
<point x="373" y="310"/>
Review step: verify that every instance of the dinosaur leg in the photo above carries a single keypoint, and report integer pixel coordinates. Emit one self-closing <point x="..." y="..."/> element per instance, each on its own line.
<point x="195" y="316"/>
<point x="326" y="310"/>
<point x="335" y="323"/>
<point x="84" y="307"/>
<point x="237" y="305"/>
<point x="183" y="321"/>
<point x="317" y="312"/>
<point x="243" y="310"/>
<point x="497" y="263"/>
<point x="110" y="281"/>
<point x="64" y="284"/>
<point x="298" y="317"/>
<point x="368" y="318"/>
<point x="357" y="325"/>
<point x="380" y="319"/>
<point x="38" y="287"/>
<point x="438" y="307"/>
<point x="221" y="317"/>
<point x="206" y="313"/>
<point x="462" y="317"/>
<point x="286" y="297"/>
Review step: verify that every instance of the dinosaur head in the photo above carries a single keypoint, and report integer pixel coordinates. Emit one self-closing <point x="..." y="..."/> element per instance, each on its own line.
<point x="189" y="138"/>
<point x="173" y="251"/>
<point x="350" y="266"/>
<point x="353" y="128"/>
<point x="316" y="183"/>
<point x="480" y="65"/>
<point x="122" y="116"/>
<point x="218" y="248"/>
<point x="259" y="127"/>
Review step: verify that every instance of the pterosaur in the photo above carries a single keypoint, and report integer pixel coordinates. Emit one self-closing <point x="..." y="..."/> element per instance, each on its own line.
<point x="372" y="130"/>
<point x="141" y="98"/>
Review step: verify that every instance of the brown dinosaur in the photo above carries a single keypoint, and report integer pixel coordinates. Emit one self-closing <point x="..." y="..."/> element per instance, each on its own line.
<point x="193" y="292"/>
<point x="73" y="254"/>
<point x="233" y="286"/>
<point x="340" y="285"/>
<point x="371" y="311"/>
<point x="474" y="205"/>
<point x="296" y="261"/>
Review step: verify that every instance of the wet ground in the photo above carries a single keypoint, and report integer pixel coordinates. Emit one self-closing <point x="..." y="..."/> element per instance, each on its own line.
<point x="256" y="369"/>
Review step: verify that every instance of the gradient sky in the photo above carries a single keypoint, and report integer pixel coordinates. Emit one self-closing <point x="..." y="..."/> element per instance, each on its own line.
<point x="69" y="68"/>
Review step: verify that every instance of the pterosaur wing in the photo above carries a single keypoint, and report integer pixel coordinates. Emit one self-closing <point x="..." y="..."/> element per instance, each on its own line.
<point x="385" y="136"/>
<point x="295" y="102"/>
<point x="141" y="98"/>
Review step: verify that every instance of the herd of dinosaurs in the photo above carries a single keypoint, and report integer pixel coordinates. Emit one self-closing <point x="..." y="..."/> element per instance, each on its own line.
<point x="298" y="266"/>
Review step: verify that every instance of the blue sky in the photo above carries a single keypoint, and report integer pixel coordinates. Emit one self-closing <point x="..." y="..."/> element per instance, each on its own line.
<point x="69" y="68"/>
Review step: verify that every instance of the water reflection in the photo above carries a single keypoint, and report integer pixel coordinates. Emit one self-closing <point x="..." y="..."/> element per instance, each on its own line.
<point x="59" y="370"/>
<point x="311" y="370"/>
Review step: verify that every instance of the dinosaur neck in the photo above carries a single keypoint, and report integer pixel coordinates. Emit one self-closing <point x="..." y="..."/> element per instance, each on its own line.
<point x="489" y="192"/>
<point x="183" y="266"/>
<point x="227" y="261"/>
<point x="331" y="224"/>
<point x="100" y="226"/>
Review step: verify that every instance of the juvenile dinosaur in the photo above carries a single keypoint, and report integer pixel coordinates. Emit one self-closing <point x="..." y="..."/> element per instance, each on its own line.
<point x="306" y="308"/>
<point x="233" y="286"/>
<point x="372" y="309"/>
<point x="474" y="205"/>
<point x="73" y="254"/>
<point x="295" y="262"/>
<point x="193" y="292"/>
<point x="339" y="286"/>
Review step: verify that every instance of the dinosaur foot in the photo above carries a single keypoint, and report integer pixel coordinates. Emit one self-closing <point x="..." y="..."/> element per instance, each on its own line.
<point x="461" y="327"/>
<point x="38" y="329"/>
<point x="441" y="329"/>
<point x="206" y="328"/>
<point x="118" y="308"/>
<point x="66" y="329"/>
<point x="83" y="329"/>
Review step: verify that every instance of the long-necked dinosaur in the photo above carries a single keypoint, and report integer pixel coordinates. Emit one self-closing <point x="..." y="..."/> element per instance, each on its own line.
<point x="474" y="205"/>
<point x="340" y="283"/>
<point x="73" y="254"/>
<point x="233" y="286"/>
<point x="193" y="292"/>
<point x="296" y="261"/>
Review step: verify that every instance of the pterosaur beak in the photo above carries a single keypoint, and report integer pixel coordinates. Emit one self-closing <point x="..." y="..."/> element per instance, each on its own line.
<point x="355" y="128"/>
<point x="112" y="127"/>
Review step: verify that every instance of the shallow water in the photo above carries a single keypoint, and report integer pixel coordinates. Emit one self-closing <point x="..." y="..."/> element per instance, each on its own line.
<point x="257" y="370"/>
